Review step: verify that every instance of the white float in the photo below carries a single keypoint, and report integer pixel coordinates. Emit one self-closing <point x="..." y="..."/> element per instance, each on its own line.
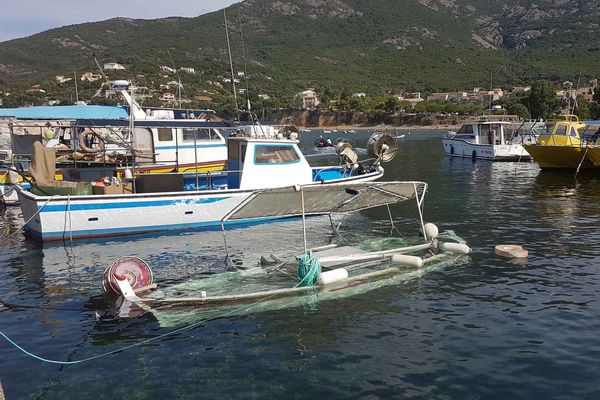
<point x="411" y="261"/>
<point x="431" y="230"/>
<point x="335" y="275"/>
<point x="459" y="248"/>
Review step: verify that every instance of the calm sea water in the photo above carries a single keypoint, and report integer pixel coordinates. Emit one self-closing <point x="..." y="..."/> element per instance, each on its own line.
<point x="487" y="329"/>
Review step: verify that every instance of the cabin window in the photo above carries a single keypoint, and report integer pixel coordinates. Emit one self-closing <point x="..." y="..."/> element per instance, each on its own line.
<point x="573" y="132"/>
<point x="214" y="135"/>
<point x="243" y="153"/>
<point x="275" y="154"/>
<point x="200" y="134"/>
<point x="165" y="135"/>
<point x="466" y="129"/>
<point x="561" y="130"/>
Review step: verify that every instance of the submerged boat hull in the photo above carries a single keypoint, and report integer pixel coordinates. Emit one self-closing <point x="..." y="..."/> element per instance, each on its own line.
<point x="217" y="296"/>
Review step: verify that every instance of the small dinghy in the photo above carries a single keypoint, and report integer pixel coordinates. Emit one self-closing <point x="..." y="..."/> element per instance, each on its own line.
<point x="328" y="272"/>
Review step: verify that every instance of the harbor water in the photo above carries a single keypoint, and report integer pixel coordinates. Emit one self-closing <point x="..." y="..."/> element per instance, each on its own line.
<point x="487" y="328"/>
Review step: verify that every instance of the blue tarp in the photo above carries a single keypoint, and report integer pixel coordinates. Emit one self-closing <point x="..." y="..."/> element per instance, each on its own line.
<point x="65" y="112"/>
<point x="591" y="122"/>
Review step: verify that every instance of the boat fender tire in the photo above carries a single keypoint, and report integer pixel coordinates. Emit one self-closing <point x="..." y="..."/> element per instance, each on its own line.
<point x="458" y="248"/>
<point x="474" y="154"/>
<point x="83" y="139"/>
<point x="451" y="149"/>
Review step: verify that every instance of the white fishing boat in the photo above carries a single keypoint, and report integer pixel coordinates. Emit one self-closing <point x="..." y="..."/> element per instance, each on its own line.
<point x="486" y="140"/>
<point x="157" y="202"/>
<point x="328" y="272"/>
<point x="90" y="146"/>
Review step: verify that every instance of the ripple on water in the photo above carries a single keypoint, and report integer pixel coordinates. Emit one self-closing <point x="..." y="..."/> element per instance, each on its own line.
<point x="491" y="328"/>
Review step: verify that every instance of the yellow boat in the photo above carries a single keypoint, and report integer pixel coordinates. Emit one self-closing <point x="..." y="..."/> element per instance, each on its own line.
<point x="562" y="146"/>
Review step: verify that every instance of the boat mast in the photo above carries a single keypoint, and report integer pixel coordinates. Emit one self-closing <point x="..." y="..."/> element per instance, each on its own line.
<point x="178" y="78"/>
<point x="237" y="110"/>
<point x="245" y="63"/>
<point x="76" y="90"/>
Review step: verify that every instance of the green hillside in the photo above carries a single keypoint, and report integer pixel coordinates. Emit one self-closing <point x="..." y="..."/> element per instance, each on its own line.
<point x="375" y="46"/>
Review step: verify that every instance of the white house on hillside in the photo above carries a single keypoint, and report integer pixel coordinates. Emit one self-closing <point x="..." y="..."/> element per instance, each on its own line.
<point x="310" y="99"/>
<point x="167" y="69"/>
<point x="90" y="77"/>
<point x="113" y="66"/>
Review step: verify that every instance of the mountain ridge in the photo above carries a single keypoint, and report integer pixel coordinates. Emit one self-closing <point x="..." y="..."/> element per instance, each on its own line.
<point x="377" y="46"/>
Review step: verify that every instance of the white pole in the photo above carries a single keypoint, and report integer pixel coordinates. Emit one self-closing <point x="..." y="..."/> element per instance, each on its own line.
<point x="76" y="90"/>
<point x="231" y="64"/>
<point x="303" y="218"/>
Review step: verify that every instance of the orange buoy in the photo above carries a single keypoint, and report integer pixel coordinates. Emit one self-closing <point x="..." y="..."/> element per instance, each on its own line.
<point x="511" y="251"/>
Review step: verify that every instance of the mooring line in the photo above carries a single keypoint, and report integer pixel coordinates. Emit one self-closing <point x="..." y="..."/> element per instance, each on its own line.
<point x="143" y="342"/>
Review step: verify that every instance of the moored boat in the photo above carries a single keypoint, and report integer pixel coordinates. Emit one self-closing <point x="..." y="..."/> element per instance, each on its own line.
<point x="486" y="140"/>
<point x="562" y="146"/>
<point x="328" y="272"/>
<point x="158" y="202"/>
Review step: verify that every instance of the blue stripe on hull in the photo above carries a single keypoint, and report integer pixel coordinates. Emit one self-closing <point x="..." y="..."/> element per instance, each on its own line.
<point x="208" y="225"/>
<point x="132" y="204"/>
<point x="199" y="146"/>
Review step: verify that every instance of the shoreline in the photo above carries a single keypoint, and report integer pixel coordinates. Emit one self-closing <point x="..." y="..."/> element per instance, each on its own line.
<point x="417" y="128"/>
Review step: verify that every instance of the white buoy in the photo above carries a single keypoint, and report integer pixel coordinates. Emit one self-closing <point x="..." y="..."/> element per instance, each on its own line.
<point x="511" y="251"/>
<point x="459" y="248"/>
<point x="431" y="230"/>
<point x="411" y="261"/>
<point x="127" y="174"/>
<point x="335" y="275"/>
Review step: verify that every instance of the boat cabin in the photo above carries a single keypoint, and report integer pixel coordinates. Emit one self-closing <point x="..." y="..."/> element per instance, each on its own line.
<point x="179" y="144"/>
<point x="567" y="130"/>
<point x="484" y="132"/>
<point x="265" y="163"/>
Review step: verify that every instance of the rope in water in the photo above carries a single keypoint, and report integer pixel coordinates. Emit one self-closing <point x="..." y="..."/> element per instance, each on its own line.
<point x="309" y="269"/>
<point x="35" y="214"/>
<point x="310" y="275"/>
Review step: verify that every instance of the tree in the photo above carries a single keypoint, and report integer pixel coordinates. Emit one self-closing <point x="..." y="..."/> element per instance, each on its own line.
<point x="518" y="109"/>
<point x="542" y="100"/>
<point x="583" y="108"/>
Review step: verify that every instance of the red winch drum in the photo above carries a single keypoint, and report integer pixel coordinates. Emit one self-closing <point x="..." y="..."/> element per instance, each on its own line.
<point x="136" y="270"/>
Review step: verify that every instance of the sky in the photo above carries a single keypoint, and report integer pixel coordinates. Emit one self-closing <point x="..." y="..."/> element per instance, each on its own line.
<point x="20" y="18"/>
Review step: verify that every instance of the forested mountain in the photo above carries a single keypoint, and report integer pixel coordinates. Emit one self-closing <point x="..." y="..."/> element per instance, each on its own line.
<point x="375" y="46"/>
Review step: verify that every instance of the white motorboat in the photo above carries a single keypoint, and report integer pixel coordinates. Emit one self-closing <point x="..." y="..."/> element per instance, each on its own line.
<point x="486" y="140"/>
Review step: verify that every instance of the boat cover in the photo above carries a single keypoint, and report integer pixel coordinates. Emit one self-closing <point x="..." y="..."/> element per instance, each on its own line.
<point x="324" y="199"/>
<point x="65" y="112"/>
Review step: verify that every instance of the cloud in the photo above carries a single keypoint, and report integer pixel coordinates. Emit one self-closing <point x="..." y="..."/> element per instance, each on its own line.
<point x="21" y="18"/>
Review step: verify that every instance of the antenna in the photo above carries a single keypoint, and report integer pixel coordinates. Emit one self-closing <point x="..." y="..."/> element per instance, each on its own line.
<point x="237" y="110"/>
<point x="178" y="77"/>
<point x="245" y="64"/>
<point x="491" y="91"/>
<point x="76" y="90"/>
<point x="100" y="68"/>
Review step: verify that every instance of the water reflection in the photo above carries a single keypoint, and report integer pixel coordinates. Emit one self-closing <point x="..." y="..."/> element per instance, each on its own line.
<point x="489" y="329"/>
